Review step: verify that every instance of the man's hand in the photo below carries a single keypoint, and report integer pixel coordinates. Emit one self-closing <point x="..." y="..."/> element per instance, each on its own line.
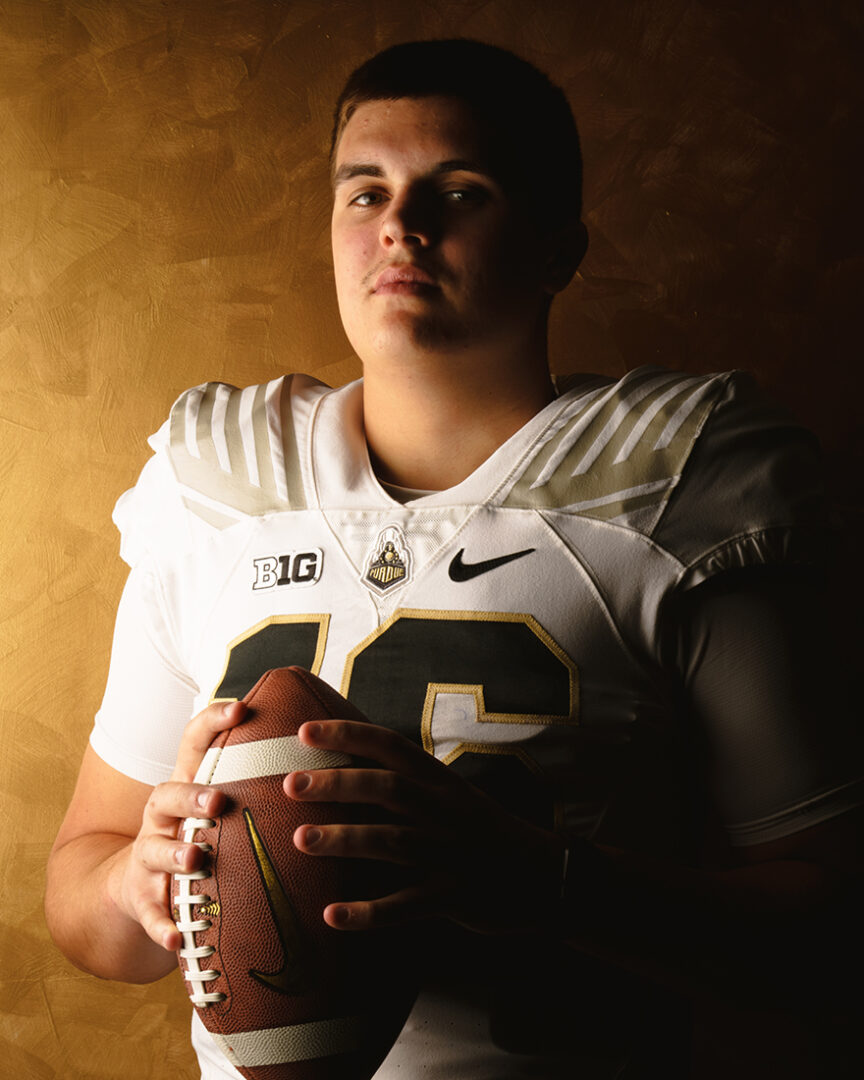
<point x="107" y="894"/>
<point x="156" y="853"/>
<point x="477" y="864"/>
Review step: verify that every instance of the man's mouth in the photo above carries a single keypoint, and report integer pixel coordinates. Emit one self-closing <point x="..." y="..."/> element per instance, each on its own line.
<point x="403" y="278"/>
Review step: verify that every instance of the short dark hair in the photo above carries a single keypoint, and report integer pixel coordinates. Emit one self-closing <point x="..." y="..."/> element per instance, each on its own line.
<point x="521" y="108"/>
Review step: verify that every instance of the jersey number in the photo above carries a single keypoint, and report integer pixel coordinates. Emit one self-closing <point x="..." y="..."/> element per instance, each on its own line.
<point x="435" y="676"/>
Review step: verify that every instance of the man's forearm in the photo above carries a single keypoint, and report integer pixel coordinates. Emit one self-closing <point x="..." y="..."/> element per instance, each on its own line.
<point x="85" y="919"/>
<point x="767" y="933"/>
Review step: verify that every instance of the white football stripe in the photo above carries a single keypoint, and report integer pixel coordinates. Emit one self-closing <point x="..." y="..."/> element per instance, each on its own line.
<point x="247" y="433"/>
<point x="681" y="414"/>
<point x="620" y="496"/>
<point x="574" y="424"/>
<point x="265" y="757"/>
<point x="299" y="1042"/>
<point x="190" y="421"/>
<point x="641" y="426"/>
<point x="217" y="427"/>
<point x="627" y="404"/>
<point x="273" y="404"/>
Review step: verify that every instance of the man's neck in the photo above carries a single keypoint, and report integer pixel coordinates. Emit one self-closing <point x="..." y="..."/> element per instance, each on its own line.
<point x="432" y="428"/>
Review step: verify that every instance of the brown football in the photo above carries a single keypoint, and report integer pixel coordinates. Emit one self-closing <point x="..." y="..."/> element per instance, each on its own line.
<point x="285" y="996"/>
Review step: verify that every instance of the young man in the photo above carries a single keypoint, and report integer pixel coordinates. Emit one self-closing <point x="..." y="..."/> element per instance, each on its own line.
<point x="569" y="612"/>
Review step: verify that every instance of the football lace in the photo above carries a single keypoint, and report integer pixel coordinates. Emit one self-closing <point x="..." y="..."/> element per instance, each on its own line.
<point x="186" y="899"/>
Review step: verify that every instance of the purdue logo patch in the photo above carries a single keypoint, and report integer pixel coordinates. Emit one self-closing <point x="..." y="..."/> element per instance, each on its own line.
<point x="389" y="562"/>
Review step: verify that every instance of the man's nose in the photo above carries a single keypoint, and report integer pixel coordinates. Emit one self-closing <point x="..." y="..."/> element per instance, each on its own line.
<point x="411" y="220"/>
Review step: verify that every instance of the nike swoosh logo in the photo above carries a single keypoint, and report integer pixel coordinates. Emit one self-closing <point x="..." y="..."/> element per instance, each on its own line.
<point x="460" y="571"/>
<point x="293" y="976"/>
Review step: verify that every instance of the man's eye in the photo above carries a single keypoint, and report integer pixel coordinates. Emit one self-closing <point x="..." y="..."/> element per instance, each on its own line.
<point x="464" y="195"/>
<point x="366" y="198"/>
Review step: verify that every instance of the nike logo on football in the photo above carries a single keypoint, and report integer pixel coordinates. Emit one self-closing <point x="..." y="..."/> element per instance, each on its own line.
<point x="460" y="571"/>
<point x="293" y="976"/>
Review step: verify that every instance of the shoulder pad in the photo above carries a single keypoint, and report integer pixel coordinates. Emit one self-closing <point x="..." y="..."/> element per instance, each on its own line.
<point x="238" y="450"/>
<point x="618" y="449"/>
<point x="752" y="491"/>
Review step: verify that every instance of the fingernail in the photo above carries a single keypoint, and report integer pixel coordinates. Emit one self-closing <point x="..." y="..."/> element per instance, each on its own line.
<point x="311" y="836"/>
<point x="203" y="799"/>
<point x="341" y="914"/>
<point x="312" y="731"/>
<point x="301" y="781"/>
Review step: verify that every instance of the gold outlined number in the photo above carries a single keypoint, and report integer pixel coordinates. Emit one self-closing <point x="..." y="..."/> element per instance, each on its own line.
<point x="506" y="663"/>
<point x="279" y="641"/>
<point x="516" y="671"/>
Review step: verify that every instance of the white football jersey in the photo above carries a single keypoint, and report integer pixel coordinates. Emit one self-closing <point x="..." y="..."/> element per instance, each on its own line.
<point x="512" y="625"/>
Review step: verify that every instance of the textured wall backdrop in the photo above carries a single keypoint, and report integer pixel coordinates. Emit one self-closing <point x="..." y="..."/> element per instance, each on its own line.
<point x="164" y="220"/>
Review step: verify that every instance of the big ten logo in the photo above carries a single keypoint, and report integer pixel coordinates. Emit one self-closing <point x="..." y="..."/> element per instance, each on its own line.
<point x="294" y="568"/>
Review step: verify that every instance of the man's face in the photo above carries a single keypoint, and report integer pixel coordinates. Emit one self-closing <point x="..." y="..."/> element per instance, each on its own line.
<point x="432" y="256"/>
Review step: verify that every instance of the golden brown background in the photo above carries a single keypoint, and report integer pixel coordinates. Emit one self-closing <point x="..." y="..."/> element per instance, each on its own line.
<point x="164" y="221"/>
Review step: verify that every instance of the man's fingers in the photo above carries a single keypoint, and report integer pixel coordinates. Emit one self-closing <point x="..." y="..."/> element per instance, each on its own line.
<point x="380" y="787"/>
<point x="387" y="747"/>
<point x="200" y="732"/>
<point x="388" y="843"/>
<point x="173" y="800"/>
<point x="407" y="905"/>
<point x="158" y="926"/>
<point x="158" y="854"/>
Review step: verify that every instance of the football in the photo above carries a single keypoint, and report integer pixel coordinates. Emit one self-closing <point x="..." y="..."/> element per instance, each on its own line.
<point x="285" y="996"/>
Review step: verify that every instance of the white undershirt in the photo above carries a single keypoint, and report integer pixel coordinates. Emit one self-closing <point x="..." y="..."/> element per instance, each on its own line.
<point x="404" y="494"/>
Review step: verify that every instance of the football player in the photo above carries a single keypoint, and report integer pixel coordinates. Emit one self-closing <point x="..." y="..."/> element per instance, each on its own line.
<point x="581" y="614"/>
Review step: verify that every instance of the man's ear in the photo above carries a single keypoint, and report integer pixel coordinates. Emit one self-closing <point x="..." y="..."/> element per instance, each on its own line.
<point x="566" y="251"/>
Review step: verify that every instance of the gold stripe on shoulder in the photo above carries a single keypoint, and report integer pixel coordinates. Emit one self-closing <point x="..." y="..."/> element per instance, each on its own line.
<point x="625" y="451"/>
<point x="206" y="513"/>
<point x="238" y="448"/>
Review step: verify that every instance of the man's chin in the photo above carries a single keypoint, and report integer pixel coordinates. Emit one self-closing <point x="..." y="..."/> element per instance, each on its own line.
<point x="423" y="328"/>
<point x="413" y="331"/>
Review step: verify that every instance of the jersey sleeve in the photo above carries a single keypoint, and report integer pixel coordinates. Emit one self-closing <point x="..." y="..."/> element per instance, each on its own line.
<point x="773" y="703"/>
<point x="750" y="492"/>
<point x="761" y="677"/>
<point x="151" y="516"/>
<point x="148" y="698"/>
